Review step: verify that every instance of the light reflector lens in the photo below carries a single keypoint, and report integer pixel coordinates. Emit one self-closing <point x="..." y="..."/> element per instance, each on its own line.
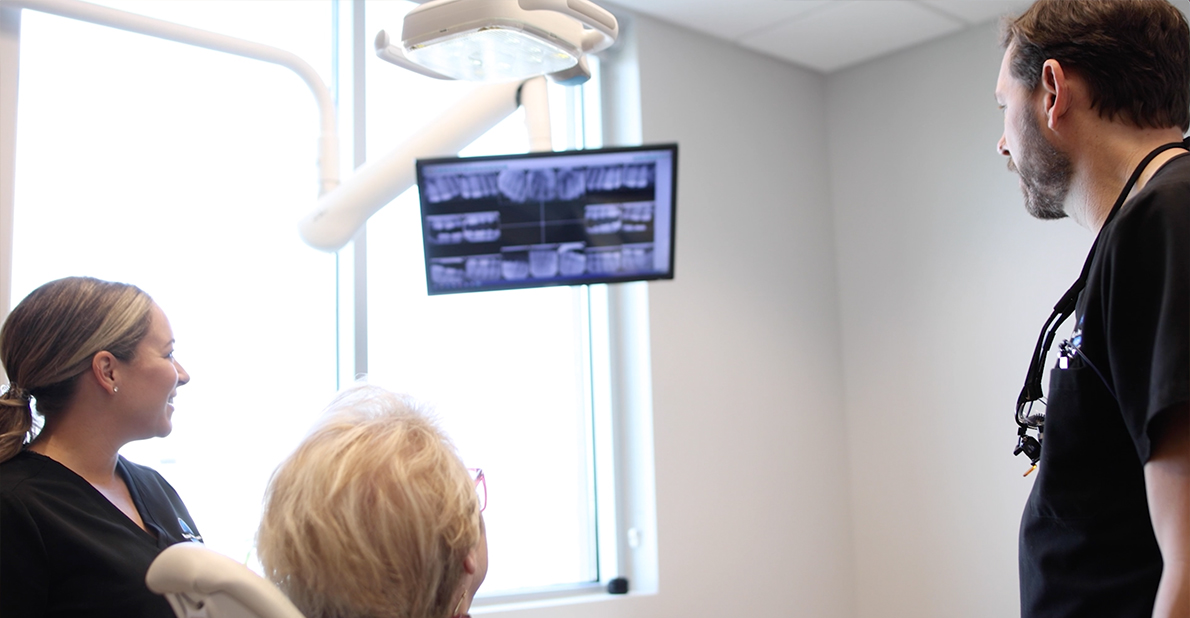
<point x="492" y="54"/>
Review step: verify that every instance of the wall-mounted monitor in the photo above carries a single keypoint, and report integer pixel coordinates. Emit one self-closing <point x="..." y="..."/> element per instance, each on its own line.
<point x="550" y="218"/>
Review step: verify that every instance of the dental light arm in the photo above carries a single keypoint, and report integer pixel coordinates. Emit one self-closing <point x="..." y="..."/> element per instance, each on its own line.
<point x="535" y="100"/>
<point x="328" y="143"/>
<point x="343" y="211"/>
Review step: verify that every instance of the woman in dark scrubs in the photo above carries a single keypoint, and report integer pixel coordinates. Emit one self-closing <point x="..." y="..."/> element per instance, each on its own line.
<point x="79" y="524"/>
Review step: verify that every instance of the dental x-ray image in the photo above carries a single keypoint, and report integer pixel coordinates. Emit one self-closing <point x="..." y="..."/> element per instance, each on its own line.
<point x="472" y="227"/>
<point x="539" y="185"/>
<point x="569" y="218"/>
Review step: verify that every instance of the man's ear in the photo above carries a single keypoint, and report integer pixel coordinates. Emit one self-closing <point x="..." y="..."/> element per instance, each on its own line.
<point x="1056" y="92"/>
<point x="103" y="367"/>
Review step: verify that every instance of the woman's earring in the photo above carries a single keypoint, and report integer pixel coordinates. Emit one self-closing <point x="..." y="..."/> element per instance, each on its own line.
<point x="115" y="389"/>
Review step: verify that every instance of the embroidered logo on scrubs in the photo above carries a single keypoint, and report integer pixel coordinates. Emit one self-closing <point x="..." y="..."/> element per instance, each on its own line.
<point x="1070" y="350"/>
<point x="188" y="534"/>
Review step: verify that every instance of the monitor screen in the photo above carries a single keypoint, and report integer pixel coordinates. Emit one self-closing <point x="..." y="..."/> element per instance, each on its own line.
<point x="550" y="218"/>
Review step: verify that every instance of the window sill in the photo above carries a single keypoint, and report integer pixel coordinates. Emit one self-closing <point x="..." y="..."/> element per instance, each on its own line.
<point x="546" y="597"/>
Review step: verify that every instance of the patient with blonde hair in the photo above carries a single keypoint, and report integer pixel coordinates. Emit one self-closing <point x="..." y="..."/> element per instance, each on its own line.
<point x="374" y="515"/>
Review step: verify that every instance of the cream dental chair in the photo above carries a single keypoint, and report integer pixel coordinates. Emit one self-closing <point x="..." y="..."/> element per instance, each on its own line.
<point x="202" y="583"/>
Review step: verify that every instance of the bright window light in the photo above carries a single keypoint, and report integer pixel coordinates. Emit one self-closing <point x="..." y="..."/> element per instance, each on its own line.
<point x="184" y="171"/>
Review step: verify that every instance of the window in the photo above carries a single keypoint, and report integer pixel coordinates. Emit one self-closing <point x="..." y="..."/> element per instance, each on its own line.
<point x="184" y="171"/>
<point x="507" y="372"/>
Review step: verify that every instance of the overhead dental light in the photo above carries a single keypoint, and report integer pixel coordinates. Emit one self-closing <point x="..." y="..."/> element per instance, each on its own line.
<point x="501" y="40"/>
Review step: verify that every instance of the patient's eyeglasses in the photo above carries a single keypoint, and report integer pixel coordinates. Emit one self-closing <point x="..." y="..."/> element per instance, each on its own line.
<point x="481" y="487"/>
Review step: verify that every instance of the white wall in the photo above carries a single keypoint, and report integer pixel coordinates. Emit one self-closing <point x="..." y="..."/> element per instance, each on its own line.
<point x="944" y="284"/>
<point x="752" y="501"/>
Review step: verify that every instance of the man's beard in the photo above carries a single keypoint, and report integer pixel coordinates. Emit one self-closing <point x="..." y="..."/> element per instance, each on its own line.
<point x="1045" y="174"/>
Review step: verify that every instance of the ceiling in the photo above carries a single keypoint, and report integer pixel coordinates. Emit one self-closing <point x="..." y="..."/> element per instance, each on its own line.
<point x="826" y="35"/>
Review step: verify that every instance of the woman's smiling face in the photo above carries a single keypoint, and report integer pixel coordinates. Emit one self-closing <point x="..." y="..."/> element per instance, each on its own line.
<point x="150" y="380"/>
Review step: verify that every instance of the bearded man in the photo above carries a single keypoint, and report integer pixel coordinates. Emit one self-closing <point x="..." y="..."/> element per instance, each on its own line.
<point x="1096" y="100"/>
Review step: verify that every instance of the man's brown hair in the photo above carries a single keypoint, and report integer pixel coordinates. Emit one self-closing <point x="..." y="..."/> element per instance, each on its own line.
<point x="1134" y="54"/>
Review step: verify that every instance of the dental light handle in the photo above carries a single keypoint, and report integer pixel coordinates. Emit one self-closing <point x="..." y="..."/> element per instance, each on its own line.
<point x="386" y="50"/>
<point x="343" y="211"/>
<point x="328" y="142"/>
<point x="604" y="24"/>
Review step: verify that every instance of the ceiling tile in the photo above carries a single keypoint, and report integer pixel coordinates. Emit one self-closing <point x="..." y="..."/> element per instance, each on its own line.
<point x="979" y="11"/>
<point x="845" y="32"/>
<point x="723" y="19"/>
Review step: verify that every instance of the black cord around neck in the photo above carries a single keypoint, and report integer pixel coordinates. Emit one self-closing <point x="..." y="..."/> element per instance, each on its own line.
<point x="1065" y="306"/>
